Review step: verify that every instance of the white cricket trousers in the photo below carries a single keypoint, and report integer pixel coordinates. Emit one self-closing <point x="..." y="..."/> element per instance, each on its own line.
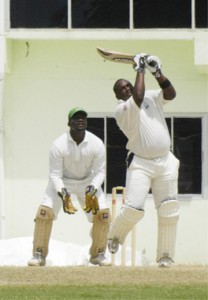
<point x="159" y="174"/>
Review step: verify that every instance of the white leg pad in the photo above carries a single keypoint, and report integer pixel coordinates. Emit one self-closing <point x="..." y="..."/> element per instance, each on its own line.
<point x="124" y="222"/>
<point x="168" y="214"/>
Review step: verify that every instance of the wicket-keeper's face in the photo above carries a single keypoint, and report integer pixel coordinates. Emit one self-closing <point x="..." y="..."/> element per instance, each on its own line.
<point x="78" y="122"/>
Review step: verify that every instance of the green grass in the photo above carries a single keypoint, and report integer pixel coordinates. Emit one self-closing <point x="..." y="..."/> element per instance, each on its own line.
<point x="104" y="292"/>
<point x="104" y="283"/>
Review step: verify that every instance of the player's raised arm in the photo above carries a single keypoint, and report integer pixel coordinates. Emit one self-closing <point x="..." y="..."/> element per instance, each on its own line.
<point x="139" y="86"/>
<point x="153" y="64"/>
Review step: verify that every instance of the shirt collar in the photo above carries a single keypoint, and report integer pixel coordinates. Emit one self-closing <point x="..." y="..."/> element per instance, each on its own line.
<point x="120" y="101"/>
<point x="71" y="139"/>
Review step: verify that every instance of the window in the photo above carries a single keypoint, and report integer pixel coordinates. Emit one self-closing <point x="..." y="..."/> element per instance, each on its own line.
<point x="187" y="148"/>
<point x="38" y="13"/>
<point x="186" y="134"/>
<point x="116" y="155"/>
<point x="201" y="7"/>
<point x="162" y="14"/>
<point x="107" y="14"/>
<point x="100" y="14"/>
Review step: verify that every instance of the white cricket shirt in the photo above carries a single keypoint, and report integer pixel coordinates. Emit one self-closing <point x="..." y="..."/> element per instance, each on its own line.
<point x="145" y="127"/>
<point x="67" y="160"/>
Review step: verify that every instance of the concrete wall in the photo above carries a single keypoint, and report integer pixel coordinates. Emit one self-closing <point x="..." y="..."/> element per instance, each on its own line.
<point x="44" y="80"/>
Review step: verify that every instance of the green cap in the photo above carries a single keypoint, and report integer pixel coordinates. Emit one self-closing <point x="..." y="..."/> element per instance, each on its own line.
<point x="74" y="110"/>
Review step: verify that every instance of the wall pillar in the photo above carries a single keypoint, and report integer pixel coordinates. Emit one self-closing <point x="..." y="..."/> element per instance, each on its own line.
<point x="2" y="196"/>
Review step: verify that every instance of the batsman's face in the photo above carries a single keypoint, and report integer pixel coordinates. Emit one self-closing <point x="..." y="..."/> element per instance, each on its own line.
<point x="78" y="122"/>
<point x="124" y="90"/>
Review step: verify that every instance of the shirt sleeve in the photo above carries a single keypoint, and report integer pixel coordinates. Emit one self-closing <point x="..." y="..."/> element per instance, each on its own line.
<point x="56" y="168"/>
<point x="126" y="114"/>
<point x="159" y="97"/>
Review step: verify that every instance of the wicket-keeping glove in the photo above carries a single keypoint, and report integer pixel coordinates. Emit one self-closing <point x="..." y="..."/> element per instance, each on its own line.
<point x="68" y="207"/>
<point x="91" y="201"/>
<point x="139" y="63"/>
<point x="153" y="64"/>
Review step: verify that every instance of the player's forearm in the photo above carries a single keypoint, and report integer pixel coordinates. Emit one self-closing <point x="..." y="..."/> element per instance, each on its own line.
<point x="168" y="89"/>
<point x="139" y="89"/>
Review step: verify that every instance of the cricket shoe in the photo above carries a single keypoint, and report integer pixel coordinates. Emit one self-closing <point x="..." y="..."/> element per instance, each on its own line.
<point x="113" y="245"/>
<point x="37" y="260"/>
<point x="165" y="262"/>
<point x="99" y="260"/>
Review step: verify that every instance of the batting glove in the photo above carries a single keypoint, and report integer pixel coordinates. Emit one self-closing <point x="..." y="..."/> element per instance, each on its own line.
<point x="68" y="207"/>
<point x="139" y="63"/>
<point x="153" y="64"/>
<point x="91" y="201"/>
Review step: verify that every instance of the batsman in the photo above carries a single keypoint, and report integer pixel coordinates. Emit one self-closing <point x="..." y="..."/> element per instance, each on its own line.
<point x="150" y="163"/>
<point x="77" y="161"/>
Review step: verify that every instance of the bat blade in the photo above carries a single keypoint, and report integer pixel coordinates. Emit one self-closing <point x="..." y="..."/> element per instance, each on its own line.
<point x="115" y="56"/>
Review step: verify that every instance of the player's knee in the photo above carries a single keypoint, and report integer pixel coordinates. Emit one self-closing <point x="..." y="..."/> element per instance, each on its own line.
<point x="44" y="213"/>
<point x="169" y="209"/>
<point x="131" y="214"/>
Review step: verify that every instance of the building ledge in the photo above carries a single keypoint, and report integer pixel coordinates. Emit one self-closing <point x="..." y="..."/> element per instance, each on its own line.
<point x="105" y="34"/>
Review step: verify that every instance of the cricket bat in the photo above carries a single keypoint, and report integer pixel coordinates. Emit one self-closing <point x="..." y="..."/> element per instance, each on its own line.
<point x="115" y="56"/>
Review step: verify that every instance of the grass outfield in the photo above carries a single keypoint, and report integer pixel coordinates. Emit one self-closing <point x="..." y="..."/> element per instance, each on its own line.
<point x="98" y="283"/>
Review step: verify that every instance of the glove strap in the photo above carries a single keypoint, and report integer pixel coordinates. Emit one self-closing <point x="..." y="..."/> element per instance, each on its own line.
<point x="90" y="189"/>
<point x="140" y="70"/>
<point x="157" y="74"/>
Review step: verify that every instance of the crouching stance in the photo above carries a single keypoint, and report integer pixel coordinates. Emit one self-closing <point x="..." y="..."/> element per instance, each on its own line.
<point x="77" y="167"/>
<point x="151" y="164"/>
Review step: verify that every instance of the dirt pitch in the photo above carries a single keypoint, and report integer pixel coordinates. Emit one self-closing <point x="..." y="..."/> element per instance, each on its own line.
<point x="13" y="276"/>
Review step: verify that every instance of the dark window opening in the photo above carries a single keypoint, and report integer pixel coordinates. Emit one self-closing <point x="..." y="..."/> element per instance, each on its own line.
<point x="116" y="155"/>
<point x="201" y="7"/>
<point x="187" y="148"/>
<point x="162" y="14"/>
<point x="100" y="14"/>
<point x="38" y="13"/>
<point x="107" y="14"/>
<point x="187" y="134"/>
<point x="96" y="126"/>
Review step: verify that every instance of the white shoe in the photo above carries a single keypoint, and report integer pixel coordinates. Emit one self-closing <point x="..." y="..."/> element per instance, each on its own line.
<point x="165" y="262"/>
<point x="113" y="245"/>
<point x="99" y="260"/>
<point x="37" y="260"/>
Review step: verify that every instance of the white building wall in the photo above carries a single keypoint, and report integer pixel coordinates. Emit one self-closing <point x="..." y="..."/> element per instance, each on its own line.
<point x="44" y="79"/>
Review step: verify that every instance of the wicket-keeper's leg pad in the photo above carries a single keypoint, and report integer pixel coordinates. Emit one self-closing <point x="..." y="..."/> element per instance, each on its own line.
<point x="42" y="232"/>
<point x="100" y="228"/>
<point x="124" y="222"/>
<point x="168" y="214"/>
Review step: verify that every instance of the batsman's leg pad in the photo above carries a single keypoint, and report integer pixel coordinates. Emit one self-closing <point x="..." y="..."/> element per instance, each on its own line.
<point x="100" y="228"/>
<point x="168" y="214"/>
<point x="42" y="232"/>
<point x="124" y="223"/>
